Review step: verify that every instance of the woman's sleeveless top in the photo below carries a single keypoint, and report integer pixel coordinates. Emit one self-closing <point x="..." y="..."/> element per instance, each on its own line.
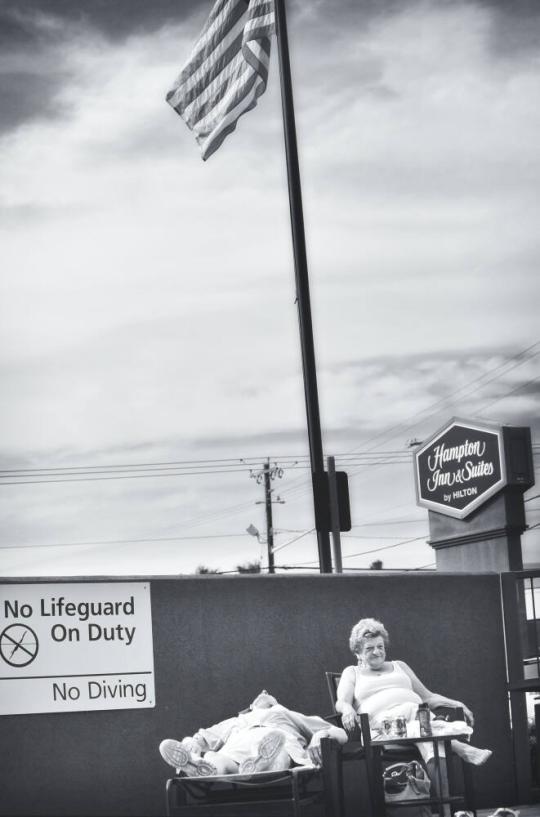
<point x="375" y="694"/>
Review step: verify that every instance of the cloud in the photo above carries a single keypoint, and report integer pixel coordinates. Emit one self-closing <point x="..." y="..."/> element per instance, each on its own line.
<point x="23" y="20"/>
<point x="516" y="28"/>
<point x="41" y="39"/>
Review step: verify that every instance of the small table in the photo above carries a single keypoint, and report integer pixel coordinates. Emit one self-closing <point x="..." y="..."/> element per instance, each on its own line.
<point x="445" y="781"/>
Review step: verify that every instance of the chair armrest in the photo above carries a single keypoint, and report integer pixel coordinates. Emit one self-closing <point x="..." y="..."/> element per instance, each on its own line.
<point x="449" y="713"/>
<point x="355" y="733"/>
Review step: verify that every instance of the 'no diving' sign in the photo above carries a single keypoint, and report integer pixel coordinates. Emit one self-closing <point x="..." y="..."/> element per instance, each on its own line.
<point x="75" y="646"/>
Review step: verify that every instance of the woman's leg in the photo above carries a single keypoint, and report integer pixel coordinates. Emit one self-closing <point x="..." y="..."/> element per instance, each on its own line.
<point x="222" y="763"/>
<point x="254" y="750"/>
<point x="259" y="750"/>
<point x="438" y="777"/>
<point x="471" y="754"/>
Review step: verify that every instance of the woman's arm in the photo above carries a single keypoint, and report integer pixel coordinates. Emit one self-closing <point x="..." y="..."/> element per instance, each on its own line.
<point x="345" y="697"/>
<point x="433" y="699"/>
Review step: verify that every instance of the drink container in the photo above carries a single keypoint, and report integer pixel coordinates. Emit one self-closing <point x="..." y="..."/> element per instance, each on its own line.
<point x="424" y="720"/>
<point x="400" y="727"/>
<point x="387" y="725"/>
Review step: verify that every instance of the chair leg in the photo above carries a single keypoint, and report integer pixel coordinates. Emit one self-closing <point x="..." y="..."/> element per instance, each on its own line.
<point x="374" y="770"/>
<point x="168" y="794"/>
<point x="468" y="785"/>
<point x="333" y="778"/>
<point x="296" y="798"/>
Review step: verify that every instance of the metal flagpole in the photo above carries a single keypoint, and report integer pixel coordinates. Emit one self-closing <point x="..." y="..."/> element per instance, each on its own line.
<point x="302" y="295"/>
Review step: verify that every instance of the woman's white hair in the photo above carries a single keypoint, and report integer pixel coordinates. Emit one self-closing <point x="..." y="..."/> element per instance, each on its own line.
<point x="366" y="628"/>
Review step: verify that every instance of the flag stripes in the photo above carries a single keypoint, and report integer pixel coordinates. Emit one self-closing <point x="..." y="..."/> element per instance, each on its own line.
<point x="226" y="72"/>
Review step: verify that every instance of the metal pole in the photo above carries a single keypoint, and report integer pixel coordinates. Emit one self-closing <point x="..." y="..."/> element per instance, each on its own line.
<point x="334" y="514"/>
<point x="269" y="527"/>
<point x="302" y="293"/>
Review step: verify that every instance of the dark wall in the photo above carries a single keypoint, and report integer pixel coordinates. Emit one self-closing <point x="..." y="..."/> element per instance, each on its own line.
<point x="219" y="640"/>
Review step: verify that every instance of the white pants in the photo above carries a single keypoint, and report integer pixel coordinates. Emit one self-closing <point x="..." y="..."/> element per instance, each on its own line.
<point x="243" y="743"/>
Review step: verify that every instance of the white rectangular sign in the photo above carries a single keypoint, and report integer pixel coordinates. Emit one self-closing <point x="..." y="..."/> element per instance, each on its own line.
<point x="71" y="647"/>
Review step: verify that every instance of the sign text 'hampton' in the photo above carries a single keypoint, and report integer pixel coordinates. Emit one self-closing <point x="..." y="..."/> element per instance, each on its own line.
<point x="459" y="468"/>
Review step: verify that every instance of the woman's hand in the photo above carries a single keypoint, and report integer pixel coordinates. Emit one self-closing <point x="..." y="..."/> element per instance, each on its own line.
<point x="469" y="717"/>
<point x="314" y="748"/>
<point x="348" y="717"/>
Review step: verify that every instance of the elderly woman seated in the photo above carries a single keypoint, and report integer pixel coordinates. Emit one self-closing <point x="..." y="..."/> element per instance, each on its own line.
<point x="265" y="737"/>
<point x="390" y="689"/>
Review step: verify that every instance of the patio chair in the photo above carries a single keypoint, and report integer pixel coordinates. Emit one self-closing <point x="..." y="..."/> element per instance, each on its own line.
<point x="297" y="792"/>
<point x="379" y="756"/>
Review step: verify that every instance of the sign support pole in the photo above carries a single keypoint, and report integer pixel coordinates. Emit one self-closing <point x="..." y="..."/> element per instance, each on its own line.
<point x="302" y="292"/>
<point x="334" y="515"/>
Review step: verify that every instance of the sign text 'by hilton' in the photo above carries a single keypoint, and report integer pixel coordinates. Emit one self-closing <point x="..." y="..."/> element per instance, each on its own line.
<point x="460" y="467"/>
<point x="75" y="646"/>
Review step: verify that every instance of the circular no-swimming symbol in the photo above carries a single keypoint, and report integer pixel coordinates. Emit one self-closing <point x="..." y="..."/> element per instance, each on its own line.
<point x="18" y="645"/>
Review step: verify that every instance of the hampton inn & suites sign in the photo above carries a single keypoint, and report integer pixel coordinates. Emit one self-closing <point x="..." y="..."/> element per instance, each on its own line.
<point x="460" y="467"/>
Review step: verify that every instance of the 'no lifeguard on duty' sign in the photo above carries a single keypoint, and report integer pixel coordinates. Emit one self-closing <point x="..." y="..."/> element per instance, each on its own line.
<point x="71" y="647"/>
<point x="460" y="467"/>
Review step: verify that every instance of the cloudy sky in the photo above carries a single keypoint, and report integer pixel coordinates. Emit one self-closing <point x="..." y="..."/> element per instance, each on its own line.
<point x="149" y="348"/>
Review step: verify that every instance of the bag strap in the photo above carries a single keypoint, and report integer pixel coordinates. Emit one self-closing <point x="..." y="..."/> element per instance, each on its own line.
<point x="396" y="767"/>
<point x="416" y="774"/>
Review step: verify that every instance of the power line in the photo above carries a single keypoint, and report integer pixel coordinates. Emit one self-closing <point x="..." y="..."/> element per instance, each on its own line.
<point x="370" y="538"/>
<point x="360" y="553"/>
<point x="123" y="476"/>
<point x="238" y="465"/>
<point x="291" y="541"/>
<point x="104" y="473"/>
<point x="384" y="547"/>
<point x="504" y="396"/>
<point x="444" y="400"/>
<point x="302" y="488"/>
<point x="126" y="541"/>
<point x="166" y="463"/>
<point x="389" y="522"/>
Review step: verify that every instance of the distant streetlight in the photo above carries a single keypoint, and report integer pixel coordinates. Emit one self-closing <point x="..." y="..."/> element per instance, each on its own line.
<point x="253" y="531"/>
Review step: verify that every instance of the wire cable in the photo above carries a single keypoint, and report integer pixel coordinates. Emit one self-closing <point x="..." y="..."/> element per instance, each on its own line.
<point x="291" y="541"/>
<point x="384" y="547"/>
<point x="103" y="542"/>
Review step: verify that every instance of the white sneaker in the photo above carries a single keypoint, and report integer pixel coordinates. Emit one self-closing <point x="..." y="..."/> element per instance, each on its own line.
<point x="180" y="758"/>
<point x="269" y="747"/>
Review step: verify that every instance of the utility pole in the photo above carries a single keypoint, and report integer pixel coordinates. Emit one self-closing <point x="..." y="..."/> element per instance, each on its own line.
<point x="265" y="476"/>
<point x="269" y="528"/>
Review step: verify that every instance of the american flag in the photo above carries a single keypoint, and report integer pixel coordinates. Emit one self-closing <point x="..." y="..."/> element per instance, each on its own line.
<point x="226" y="72"/>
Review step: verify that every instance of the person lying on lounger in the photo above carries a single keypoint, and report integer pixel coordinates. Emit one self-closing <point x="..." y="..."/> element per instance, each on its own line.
<point x="265" y="737"/>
